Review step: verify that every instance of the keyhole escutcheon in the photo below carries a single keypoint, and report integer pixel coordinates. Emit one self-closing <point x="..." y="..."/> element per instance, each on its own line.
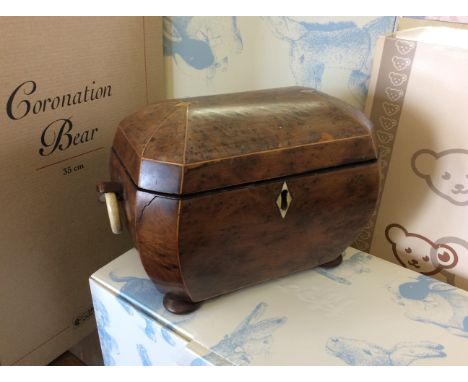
<point x="283" y="201"/>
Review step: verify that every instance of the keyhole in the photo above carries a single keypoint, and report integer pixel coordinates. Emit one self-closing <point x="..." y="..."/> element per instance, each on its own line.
<point x="284" y="199"/>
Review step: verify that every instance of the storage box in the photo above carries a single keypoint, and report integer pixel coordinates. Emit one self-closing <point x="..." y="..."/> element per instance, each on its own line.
<point x="417" y="102"/>
<point x="367" y="311"/>
<point x="254" y="173"/>
<point x="65" y="85"/>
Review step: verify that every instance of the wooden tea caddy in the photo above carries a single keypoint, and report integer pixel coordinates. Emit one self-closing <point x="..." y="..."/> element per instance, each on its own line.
<point x="226" y="191"/>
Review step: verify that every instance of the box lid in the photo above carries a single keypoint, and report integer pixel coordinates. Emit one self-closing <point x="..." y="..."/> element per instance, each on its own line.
<point x="213" y="142"/>
<point x="367" y="311"/>
<point x="436" y="35"/>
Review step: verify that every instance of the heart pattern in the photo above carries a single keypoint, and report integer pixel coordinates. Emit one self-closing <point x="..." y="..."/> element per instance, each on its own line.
<point x="393" y="94"/>
<point x="397" y="79"/>
<point x="404" y="47"/>
<point x="383" y="163"/>
<point x="387" y="123"/>
<point x="381" y="183"/>
<point x="384" y="151"/>
<point x="384" y="137"/>
<point x="392" y="80"/>
<point x="400" y="63"/>
<point x="390" y="108"/>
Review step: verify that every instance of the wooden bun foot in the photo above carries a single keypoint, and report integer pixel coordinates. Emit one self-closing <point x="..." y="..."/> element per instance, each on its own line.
<point x="333" y="263"/>
<point x="179" y="305"/>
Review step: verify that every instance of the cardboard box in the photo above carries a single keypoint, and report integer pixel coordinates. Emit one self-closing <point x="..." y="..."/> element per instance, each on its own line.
<point x="66" y="82"/>
<point x="367" y="311"/>
<point x="432" y="21"/>
<point x="417" y="102"/>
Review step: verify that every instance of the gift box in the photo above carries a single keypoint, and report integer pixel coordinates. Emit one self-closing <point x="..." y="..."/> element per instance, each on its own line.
<point x="367" y="311"/>
<point x="417" y="102"/>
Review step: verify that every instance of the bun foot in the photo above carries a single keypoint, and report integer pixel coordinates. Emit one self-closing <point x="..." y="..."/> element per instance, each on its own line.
<point x="333" y="263"/>
<point x="179" y="304"/>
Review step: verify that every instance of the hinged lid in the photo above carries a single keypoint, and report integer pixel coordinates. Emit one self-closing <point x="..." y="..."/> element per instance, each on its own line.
<point x="205" y="143"/>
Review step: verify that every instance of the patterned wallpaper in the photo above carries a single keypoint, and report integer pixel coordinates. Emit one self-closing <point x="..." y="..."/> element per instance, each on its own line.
<point x="210" y="55"/>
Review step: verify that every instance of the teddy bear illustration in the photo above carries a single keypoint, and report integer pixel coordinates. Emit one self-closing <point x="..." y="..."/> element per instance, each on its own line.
<point x="446" y="173"/>
<point x="144" y="291"/>
<point x="317" y="47"/>
<point x="457" y="275"/>
<point x="252" y="337"/>
<point x="203" y="43"/>
<point x="109" y="346"/>
<point x="144" y="357"/>
<point x="418" y="253"/>
<point x="349" y="268"/>
<point x="433" y="302"/>
<point x="364" y="353"/>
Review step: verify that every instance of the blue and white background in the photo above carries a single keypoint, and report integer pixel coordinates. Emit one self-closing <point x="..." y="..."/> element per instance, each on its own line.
<point x="210" y="55"/>
<point x="367" y="311"/>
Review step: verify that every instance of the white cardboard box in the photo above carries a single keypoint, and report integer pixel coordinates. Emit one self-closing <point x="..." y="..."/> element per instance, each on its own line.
<point x="367" y="311"/>
<point x="417" y="102"/>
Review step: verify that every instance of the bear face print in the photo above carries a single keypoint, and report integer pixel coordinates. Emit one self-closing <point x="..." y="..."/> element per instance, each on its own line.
<point x="446" y="173"/>
<point x="458" y="275"/>
<point x="418" y="253"/>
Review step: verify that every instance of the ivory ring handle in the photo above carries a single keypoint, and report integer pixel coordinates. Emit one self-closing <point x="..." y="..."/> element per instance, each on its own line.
<point x="113" y="212"/>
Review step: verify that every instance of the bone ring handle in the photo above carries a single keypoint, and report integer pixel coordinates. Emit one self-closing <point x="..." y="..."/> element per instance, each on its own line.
<point x="113" y="212"/>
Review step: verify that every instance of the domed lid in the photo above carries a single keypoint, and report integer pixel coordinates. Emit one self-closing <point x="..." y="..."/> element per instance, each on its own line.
<point x="198" y="144"/>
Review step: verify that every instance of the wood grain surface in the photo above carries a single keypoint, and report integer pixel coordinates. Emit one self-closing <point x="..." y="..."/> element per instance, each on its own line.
<point x="211" y="142"/>
<point x="202" y="180"/>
